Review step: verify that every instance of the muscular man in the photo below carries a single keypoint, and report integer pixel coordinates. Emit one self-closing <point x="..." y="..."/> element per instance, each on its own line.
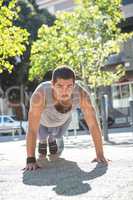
<point x="50" y="114"/>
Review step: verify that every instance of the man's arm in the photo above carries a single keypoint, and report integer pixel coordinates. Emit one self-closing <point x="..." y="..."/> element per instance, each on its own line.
<point x="92" y="122"/>
<point x="34" y="115"/>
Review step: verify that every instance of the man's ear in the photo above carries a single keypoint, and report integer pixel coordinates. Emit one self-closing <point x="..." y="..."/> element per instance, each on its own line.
<point x="52" y="83"/>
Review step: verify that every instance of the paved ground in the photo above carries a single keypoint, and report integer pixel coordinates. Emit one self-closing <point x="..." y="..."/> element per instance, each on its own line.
<point x="72" y="177"/>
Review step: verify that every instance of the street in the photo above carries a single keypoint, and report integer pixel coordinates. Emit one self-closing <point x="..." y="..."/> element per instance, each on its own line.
<point x="73" y="176"/>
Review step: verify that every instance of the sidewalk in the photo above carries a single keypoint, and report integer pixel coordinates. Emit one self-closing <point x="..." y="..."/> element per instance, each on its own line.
<point x="74" y="176"/>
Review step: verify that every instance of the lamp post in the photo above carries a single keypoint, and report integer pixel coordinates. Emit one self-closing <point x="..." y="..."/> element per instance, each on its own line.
<point x="104" y="115"/>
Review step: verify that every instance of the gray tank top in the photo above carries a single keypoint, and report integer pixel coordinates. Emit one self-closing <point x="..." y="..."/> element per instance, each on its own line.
<point x="50" y="116"/>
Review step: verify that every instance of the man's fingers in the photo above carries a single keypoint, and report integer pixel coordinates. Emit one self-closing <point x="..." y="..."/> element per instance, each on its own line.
<point x="31" y="166"/>
<point x="105" y="160"/>
<point x="101" y="160"/>
<point x="94" y="160"/>
<point x="35" y="167"/>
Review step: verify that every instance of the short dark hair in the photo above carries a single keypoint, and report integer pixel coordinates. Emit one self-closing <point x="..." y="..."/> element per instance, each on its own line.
<point x="63" y="72"/>
<point x="48" y="75"/>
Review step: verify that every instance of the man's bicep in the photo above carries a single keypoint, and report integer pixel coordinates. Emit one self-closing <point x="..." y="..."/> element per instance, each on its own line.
<point x="85" y="100"/>
<point x="37" y="99"/>
<point x="35" y="111"/>
<point x="87" y="106"/>
<point x="34" y="116"/>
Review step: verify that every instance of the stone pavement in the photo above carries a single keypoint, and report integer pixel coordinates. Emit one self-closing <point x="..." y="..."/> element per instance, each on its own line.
<point x="73" y="176"/>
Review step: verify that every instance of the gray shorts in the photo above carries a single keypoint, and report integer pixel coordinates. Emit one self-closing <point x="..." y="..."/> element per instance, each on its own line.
<point x="55" y="132"/>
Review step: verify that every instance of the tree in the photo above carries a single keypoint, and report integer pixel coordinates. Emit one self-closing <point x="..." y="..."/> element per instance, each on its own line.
<point x="82" y="39"/>
<point x="29" y="18"/>
<point x="12" y="38"/>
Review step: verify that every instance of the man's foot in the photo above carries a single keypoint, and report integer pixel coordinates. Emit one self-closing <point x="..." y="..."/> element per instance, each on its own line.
<point x="56" y="147"/>
<point x="53" y="148"/>
<point x="42" y="150"/>
<point x="41" y="157"/>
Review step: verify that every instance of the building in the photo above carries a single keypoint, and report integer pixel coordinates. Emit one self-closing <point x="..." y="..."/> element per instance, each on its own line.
<point x="122" y="92"/>
<point x="56" y="5"/>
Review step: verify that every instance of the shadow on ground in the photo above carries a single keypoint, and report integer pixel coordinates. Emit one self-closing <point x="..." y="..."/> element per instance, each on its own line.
<point x="66" y="177"/>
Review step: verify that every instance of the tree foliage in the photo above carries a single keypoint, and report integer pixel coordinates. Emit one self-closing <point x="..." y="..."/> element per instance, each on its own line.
<point x="30" y="17"/>
<point x="82" y="39"/>
<point x="12" y="38"/>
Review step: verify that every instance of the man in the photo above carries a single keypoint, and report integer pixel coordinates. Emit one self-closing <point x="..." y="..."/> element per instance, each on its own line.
<point x="50" y="114"/>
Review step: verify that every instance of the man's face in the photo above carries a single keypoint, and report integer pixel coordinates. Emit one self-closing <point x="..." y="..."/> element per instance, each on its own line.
<point x="63" y="89"/>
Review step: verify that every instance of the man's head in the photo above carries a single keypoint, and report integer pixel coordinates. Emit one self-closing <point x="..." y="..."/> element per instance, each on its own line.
<point x="63" y="80"/>
<point x="63" y="72"/>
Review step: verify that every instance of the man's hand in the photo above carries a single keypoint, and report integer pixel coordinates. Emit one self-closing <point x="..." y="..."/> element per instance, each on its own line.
<point x="101" y="159"/>
<point x="31" y="166"/>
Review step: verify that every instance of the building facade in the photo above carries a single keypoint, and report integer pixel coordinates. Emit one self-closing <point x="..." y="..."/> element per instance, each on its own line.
<point x="122" y="92"/>
<point x="56" y="5"/>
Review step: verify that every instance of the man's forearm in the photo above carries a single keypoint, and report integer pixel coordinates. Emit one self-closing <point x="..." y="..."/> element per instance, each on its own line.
<point x="31" y="144"/>
<point x="94" y="127"/>
<point x="95" y="130"/>
<point x="97" y="139"/>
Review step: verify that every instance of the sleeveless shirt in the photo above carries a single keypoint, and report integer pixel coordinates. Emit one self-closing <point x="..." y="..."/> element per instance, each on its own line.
<point x="50" y="117"/>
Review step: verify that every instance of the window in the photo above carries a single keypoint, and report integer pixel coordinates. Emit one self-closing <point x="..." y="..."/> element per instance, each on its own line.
<point x="125" y="91"/>
<point x="7" y="120"/>
<point x="116" y="92"/>
<point x="125" y="2"/>
<point x="121" y="93"/>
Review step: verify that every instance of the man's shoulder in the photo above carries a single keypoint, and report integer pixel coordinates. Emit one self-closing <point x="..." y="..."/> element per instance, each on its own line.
<point x="44" y="85"/>
<point x="42" y="88"/>
<point x="81" y="86"/>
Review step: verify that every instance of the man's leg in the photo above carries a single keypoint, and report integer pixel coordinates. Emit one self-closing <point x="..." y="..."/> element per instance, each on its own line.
<point x="42" y="149"/>
<point x="56" y="145"/>
<point x="55" y="140"/>
<point x="42" y="146"/>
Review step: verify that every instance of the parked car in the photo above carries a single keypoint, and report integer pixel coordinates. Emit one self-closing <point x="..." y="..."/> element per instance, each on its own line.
<point x="8" y="124"/>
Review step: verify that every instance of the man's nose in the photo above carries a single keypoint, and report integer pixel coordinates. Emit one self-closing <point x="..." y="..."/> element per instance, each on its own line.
<point x="64" y="91"/>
